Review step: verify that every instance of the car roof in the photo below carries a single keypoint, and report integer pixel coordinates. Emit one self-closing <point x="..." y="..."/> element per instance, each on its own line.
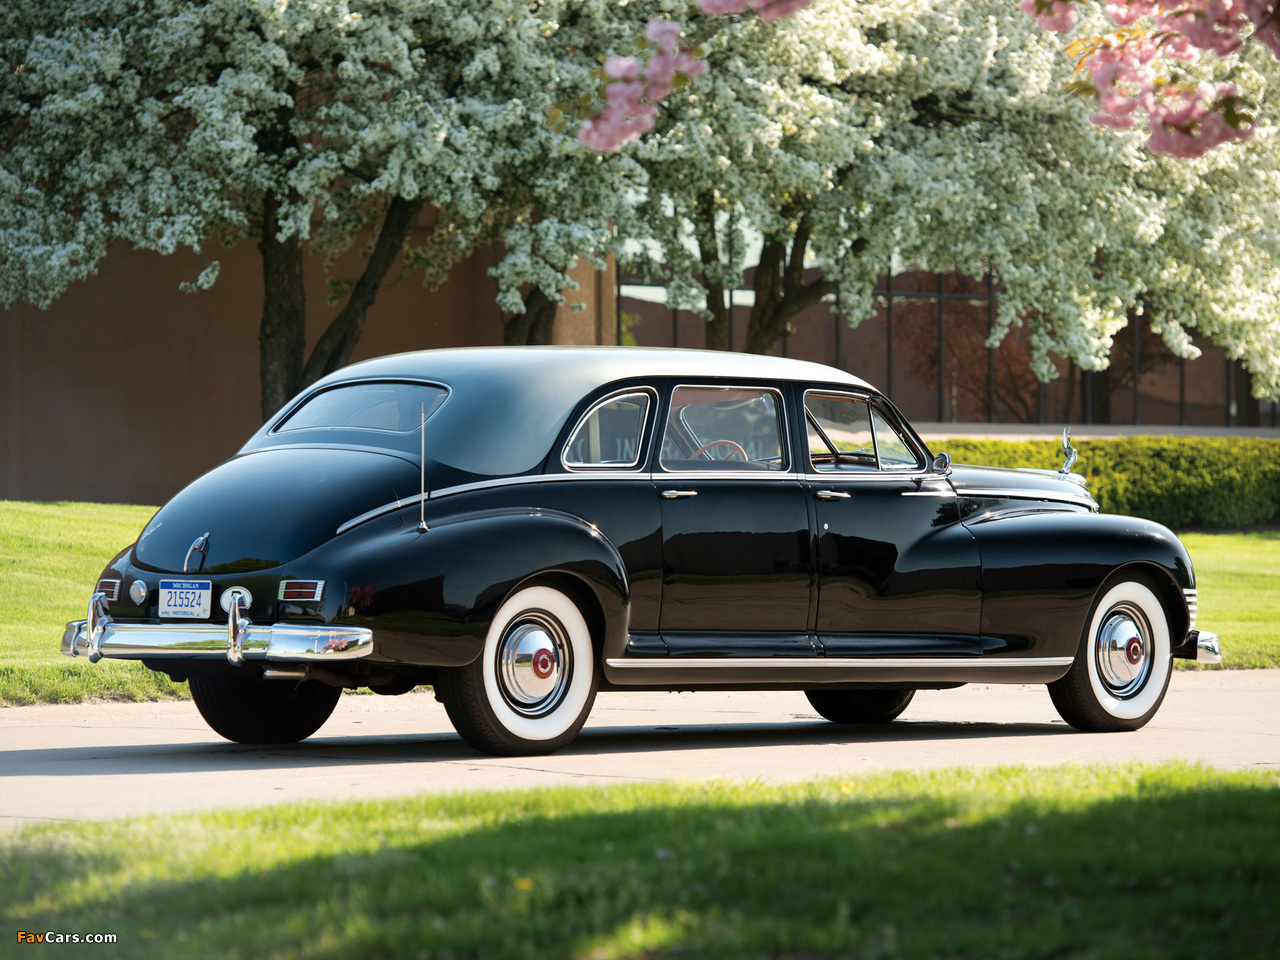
<point x="579" y="369"/>
<point x="507" y="405"/>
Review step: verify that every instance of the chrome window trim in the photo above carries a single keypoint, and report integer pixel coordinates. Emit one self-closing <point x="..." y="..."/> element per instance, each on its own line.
<point x="788" y="466"/>
<point x="895" y="663"/>
<point x="737" y="476"/>
<point x="641" y="391"/>
<point x="877" y="476"/>
<point x="284" y="416"/>
<point x="879" y="470"/>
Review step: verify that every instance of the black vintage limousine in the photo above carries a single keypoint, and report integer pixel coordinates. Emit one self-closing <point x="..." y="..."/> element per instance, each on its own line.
<point x="522" y="527"/>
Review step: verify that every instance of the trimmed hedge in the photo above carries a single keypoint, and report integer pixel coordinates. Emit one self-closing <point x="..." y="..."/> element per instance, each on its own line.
<point x="1221" y="482"/>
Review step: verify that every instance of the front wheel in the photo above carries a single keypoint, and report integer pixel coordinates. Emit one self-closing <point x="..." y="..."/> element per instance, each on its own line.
<point x="860" y="706"/>
<point x="246" y="709"/>
<point x="532" y="686"/>
<point x="1122" y="667"/>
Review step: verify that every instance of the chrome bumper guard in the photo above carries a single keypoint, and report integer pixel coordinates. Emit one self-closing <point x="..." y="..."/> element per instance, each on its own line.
<point x="1208" y="650"/>
<point x="99" y="636"/>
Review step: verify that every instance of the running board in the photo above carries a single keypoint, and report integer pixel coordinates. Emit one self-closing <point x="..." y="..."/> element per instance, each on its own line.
<point x="798" y="672"/>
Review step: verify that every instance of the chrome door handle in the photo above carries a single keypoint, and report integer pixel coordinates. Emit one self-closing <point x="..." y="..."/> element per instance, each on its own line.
<point x="678" y="494"/>
<point x="832" y="495"/>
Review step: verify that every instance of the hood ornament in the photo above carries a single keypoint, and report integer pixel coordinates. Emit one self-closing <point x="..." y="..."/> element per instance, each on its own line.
<point x="199" y="546"/>
<point x="1068" y="451"/>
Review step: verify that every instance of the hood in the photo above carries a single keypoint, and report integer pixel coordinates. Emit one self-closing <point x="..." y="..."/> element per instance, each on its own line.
<point x="265" y="508"/>
<point x="1019" y="484"/>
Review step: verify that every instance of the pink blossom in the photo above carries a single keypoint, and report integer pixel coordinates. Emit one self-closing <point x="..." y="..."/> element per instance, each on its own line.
<point x="1125" y="13"/>
<point x="1120" y="74"/>
<point x="771" y="10"/>
<point x="1056" y="16"/>
<point x="665" y="33"/>
<point x="661" y="74"/>
<point x="718" y="8"/>
<point x="1213" y="25"/>
<point x="622" y="68"/>
<point x="1111" y="120"/>
<point x="1263" y="15"/>
<point x="1189" y="122"/>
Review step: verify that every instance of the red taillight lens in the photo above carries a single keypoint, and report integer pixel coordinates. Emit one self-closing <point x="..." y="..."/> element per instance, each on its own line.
<point x="301" y="591"/>
<point x="110" y="589"/>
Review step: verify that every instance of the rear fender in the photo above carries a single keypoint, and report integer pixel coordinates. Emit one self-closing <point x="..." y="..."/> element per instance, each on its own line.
<point x="430" y="596"/>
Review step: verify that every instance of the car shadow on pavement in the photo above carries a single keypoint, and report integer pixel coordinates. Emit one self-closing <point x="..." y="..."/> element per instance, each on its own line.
<point x="357" y="751"/>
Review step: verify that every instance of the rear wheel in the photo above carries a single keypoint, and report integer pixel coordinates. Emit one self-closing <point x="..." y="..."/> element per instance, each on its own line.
<point x="532" y="686"/>
<point x="1122" y="667"/>
<point x="860" y="706"/>
<point x="249" y="710"/>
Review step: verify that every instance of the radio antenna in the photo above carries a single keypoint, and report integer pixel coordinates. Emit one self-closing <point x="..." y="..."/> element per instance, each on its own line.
<point x="422" y="466"/>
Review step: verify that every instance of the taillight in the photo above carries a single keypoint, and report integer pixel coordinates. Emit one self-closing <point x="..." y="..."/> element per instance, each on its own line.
<point x="110" y="589"/>
<point x="301" y="591"/>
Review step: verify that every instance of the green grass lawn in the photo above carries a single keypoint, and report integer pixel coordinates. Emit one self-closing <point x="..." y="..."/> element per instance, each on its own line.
<point x="1098" y="862"/>
<point x="52" y="553"/>
<point x="50" y="558"/>
<point x="1238" y="576"/>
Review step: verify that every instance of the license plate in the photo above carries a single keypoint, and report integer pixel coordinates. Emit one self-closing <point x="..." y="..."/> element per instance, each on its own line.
<point x="186" y="598"/>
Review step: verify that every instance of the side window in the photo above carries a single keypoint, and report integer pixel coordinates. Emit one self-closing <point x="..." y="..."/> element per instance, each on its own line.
<point x="895" y="454"/>
<point x="610" y="434"/>
<point x="840" y="433"/>
<point x="723" y="428"/>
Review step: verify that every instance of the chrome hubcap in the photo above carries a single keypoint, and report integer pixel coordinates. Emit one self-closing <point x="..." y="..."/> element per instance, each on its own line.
<point x="533" y="664"/>
<point x="1123" y="652"/>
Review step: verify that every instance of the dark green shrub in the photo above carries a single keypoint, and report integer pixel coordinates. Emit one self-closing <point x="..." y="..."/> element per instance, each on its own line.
<point x="1178" y="481"/>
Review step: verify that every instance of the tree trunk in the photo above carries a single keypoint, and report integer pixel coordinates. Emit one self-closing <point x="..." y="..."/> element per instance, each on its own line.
<point x="718" y="327"/>
<point x="282" y="333"/>
<point x="535" y="325"/>
<point x="781" y="293"/>
<point x="335" y="346"/>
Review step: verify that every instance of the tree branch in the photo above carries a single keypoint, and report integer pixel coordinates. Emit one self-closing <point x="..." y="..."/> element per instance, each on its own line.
<point x="334" y="348"/>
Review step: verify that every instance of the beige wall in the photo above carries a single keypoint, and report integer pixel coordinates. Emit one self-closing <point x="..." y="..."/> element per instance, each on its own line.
<point x="126" y="389"/>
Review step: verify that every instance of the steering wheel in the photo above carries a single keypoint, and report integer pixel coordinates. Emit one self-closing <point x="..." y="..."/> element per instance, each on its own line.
<point x="737" y="448"/>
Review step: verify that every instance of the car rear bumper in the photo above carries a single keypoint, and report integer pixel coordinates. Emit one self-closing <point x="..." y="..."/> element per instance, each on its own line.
<point x="100" y="636"/>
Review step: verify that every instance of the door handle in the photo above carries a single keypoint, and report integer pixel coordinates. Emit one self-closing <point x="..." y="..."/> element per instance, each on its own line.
<point x="678" y="494"/>
<point x="832" y="495"/>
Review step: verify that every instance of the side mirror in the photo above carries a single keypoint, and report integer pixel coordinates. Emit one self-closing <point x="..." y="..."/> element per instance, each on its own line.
<point x="942" y="463"/>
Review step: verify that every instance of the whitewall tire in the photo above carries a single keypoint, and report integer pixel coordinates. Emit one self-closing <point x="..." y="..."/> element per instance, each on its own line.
<point x="1122" y="668"/>
<point x="534" y="683"/>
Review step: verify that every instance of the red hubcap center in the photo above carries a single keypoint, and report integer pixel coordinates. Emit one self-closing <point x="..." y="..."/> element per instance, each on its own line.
<point x="544" y="664"/>
<point x="1133" y="650"/>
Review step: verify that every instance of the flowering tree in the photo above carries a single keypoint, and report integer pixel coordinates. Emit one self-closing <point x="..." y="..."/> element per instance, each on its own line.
<point x="856" y="134"/>
<point x="1170" y="59"/>
<point x="414" y="129"/>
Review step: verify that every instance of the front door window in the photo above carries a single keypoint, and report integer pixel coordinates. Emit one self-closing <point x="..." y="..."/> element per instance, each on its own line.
<point x="723" y="429"/>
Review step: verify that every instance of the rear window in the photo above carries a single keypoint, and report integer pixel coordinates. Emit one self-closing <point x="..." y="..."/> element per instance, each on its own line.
<point x="387" y="407"/>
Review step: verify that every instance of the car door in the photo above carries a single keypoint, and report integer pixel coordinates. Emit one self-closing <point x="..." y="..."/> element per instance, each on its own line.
<point x="897" y="572"/>
<point x="736" y="539"/>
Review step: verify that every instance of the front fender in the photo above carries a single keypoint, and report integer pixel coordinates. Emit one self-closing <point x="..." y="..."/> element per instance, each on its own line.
<point x="1042" y="569"/>
<point x="429" y="597"/>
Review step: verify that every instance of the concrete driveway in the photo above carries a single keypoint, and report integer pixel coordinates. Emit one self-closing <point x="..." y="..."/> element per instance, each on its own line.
<point x="105" y="760"/>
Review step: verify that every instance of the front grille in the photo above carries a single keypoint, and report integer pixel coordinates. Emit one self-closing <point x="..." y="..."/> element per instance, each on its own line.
<point x="110" y="589"/>
<point x="1192" y="603"/>
<point x="301" y="591"/>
